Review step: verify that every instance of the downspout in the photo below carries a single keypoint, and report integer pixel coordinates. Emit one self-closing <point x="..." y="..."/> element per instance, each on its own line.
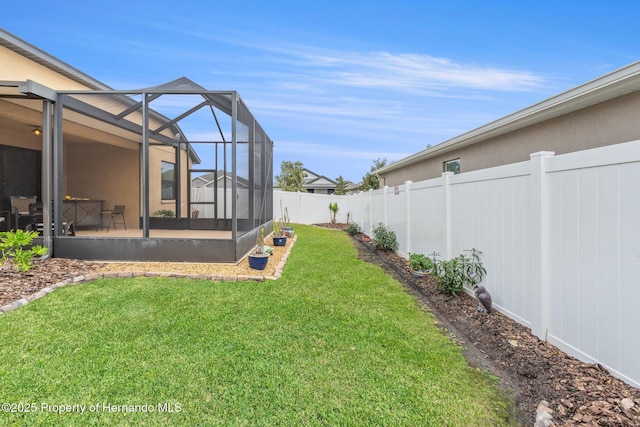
<point x="46" y="177"/>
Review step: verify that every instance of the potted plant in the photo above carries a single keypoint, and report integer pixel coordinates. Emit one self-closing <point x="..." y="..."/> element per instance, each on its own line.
<point x="420" y="265"/>
<point x="286" y="229"/>
<point x="279" y="238"/>
<point x="259" y="257"/>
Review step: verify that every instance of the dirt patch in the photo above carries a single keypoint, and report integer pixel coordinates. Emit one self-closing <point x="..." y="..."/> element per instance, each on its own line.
<point x="530" y="370"/>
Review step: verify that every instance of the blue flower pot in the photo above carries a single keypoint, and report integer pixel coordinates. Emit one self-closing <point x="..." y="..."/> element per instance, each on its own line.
<point x="280" y="241"/>
<point x="258" y="262"/>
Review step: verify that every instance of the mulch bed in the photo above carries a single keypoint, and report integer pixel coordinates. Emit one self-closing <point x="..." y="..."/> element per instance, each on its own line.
<point x="530" y="370"/>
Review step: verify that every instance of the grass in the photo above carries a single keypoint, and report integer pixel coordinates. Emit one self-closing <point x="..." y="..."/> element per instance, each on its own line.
<point x="335" y="341"/>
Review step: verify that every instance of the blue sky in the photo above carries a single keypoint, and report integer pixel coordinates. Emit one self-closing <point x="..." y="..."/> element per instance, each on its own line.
<point x="338" y="84"/>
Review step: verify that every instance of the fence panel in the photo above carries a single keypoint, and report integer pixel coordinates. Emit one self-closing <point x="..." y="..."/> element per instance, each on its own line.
<point x="397" y="215"/>
<point x="427" y="217"/>
<point x="595" y="257"/>
<point x="490" y="212"/>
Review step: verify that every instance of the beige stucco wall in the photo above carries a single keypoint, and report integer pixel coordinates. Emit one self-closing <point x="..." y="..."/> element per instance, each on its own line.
<point x="607" y="123"/>
<point x="112" y="174"/>
<point x="18" y="68"/>
<point x="104" y="172"/>
<point x="156" y="156"/>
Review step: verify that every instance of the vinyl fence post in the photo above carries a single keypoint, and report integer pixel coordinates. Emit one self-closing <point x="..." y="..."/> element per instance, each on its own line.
<point x="370" y="212"/>
<point x="540" y="244"/>
<point x="446" y="177"/>
<point x="407" y="219"/>
<point x="386" y="206"/>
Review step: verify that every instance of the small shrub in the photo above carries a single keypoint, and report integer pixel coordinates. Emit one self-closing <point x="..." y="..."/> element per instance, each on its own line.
<point x="384" y="238"/>
<point x="419" y="262"/>
<point x="474" y="271"/>
<point x="451" y="275"/>
<point x="12" y="249"/>
<point x="353" y="228"/>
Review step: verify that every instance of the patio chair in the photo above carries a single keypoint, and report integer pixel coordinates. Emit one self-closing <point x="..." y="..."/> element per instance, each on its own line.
<point x="37" y="224"/>
<point x="117" y="211"/>
<point x="20" y="210"/>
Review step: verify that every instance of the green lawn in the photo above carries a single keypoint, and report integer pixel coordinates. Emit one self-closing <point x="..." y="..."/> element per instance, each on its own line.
<point x="333" y="342"/>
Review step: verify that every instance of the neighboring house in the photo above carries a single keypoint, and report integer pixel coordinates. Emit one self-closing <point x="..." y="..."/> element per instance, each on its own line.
<point x="601" y="112"/>
<point x="72" y="141"/>
<point x="318" y="184"/>
<point x="314" y="183"/>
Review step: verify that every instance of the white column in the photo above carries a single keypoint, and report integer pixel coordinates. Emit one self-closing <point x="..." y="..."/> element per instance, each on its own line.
<point x="540" y="242"/>
<point x="446" y="177"/>
<point x="407" y="186"/>
<point x="385" y="190"/>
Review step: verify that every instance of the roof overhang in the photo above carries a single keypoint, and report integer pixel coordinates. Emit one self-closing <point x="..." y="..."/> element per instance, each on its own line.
<point x="41" y="57"/>
<point x="613" y="85"/>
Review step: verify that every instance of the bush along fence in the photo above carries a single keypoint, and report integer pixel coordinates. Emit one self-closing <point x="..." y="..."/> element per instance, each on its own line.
<point x="560" y="238"/>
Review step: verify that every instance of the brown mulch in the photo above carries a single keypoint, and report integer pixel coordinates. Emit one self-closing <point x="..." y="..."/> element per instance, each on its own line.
<point x="530" y="370"/>
<point x="15" y="285"/>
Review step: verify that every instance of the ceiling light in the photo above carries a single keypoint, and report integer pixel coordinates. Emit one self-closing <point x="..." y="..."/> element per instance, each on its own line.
<point x="37" y="131"/>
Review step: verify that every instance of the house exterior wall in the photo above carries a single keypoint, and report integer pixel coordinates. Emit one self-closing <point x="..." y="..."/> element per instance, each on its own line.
<point x="104" y="172"/>
<point x="18" y="68"/>
<point x="611" y="122"/>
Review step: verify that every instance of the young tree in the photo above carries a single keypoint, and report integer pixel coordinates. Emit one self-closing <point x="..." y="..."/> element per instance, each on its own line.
<point x="291" y="176"/>
<point x="341" y="186"/>
<point x="371" y="181"/>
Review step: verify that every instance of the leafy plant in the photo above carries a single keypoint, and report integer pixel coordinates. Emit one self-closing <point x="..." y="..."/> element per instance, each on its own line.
<point x="419" y="262"/>
<point x="353" y="228"/>
<point x="167" y="213"/>
<point x="12" y="248"/>
<point x="384" y="238"/>
<point x="474" y="271"/>
<point x="277" y="228"/>
<point x="333" y="207"/>
<point x="451" y="275"/>
<point x="259" y="248"/>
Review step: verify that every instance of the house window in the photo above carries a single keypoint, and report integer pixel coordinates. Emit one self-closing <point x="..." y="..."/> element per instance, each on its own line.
<point x="452" y="166"/>
<point x="168" y="175"/>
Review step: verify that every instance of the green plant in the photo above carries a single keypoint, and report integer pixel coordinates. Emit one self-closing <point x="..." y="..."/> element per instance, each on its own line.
<point x="12" y="248"/>
<point x="419" y="262"/>
<point x="353" y="228"/>
<point x="474" y="271"/>
<point x="384" y="238"/>
<point x="451" y="275"/>
<point x="277" y="229"/>
<point x="333" y="207"/>
<point x="259" y="248"/>
<point x="165" y="213"/>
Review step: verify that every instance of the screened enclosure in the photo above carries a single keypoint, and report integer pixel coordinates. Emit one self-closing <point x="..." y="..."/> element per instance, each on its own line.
<point x="191" y="168"/>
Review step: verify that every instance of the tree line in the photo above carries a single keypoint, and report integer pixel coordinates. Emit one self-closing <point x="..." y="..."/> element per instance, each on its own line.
<point x="292" y="175"/>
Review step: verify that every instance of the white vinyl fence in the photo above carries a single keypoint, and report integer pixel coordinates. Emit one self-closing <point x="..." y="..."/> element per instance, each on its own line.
<point x="560" y="237"/>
